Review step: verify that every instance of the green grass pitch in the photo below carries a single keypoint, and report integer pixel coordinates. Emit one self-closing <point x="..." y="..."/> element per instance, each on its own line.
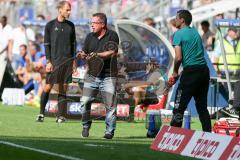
<point x="18" y="126"/>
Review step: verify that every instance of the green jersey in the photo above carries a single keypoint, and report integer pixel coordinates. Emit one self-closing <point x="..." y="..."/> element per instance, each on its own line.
<point x="191" y="46"/>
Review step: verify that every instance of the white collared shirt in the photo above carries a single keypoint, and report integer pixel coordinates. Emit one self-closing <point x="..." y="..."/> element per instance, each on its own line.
<point x="5" y="35"/>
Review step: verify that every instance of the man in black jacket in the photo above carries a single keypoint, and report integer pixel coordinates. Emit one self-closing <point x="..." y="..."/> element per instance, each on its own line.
<point x="59" y="42"/>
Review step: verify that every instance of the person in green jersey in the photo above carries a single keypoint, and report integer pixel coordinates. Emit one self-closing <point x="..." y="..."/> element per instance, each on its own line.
<point x="194" y="79"/>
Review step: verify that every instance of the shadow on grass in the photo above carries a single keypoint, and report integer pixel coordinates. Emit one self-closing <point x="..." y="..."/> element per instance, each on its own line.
<point x="92" y="148"/>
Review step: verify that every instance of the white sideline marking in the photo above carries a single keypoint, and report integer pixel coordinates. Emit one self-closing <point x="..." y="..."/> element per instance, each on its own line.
<point x="94" y="145"/>
<point x="98" y="145"/>
<point x="41" y="151"/>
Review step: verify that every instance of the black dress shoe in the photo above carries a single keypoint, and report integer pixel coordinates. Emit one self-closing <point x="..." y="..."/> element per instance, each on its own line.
<point x="85" y="132"/>
<point x="108" y="136"/>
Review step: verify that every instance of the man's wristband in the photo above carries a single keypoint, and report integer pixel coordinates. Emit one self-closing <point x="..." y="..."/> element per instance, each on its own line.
<point x="93" y="54"/>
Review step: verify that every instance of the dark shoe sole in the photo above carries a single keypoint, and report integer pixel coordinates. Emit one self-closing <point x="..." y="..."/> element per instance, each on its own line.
<point x="108" y="136"/>
<point x="230" y="115"/>
<point x="39" y="120"/>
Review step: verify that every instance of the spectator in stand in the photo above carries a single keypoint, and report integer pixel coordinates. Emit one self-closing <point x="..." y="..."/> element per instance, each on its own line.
<point x="5" y="31"/>
<point x="207" y="36"/>
<point x="40" y="32"/>
<point x="41" y="17"/>
<point x="38" y="61"/>
<point x="29" y="67"/>
<point x="154" y="51"/>
<point x="23" y="53"/>
<point x="149" y="21"/>
<point x="40" y="41"/>
<point x="23" y="74"/>
<point x="144" y="92"/>
<point x="19" y="36"/>
<point x="37" y="69"/>
<point x="173" y="28"/>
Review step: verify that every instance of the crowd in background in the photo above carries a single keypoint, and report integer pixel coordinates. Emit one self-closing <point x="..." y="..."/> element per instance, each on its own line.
<point x="26" y="53"/>
<point x="133" y="9"/>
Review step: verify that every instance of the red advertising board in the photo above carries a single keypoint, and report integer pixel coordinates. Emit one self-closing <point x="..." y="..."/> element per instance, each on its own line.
<point x="205" y="145"/>
<point x="171" y="139"/>
<point x="51" y="106"/>
<point x="98" y="109"/>
<point x="232" y="152"/>
<point x="198" y="144"/>
<point x="123" y="110"/>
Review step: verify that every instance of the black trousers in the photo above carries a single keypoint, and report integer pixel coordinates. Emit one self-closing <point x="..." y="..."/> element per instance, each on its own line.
<point x="194" y="82"/>
<point x="236" y="98"/>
